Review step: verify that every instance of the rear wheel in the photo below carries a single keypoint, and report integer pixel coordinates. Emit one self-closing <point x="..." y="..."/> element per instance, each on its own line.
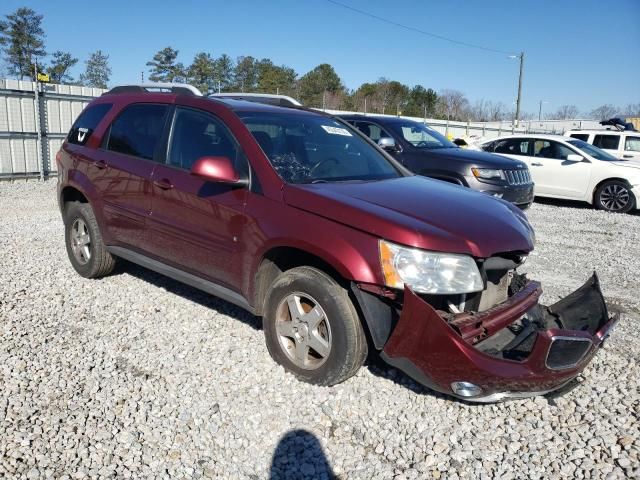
<point x="85" y="248"/>
<point x="312" y="328"/>
<point x="614" y="196"/>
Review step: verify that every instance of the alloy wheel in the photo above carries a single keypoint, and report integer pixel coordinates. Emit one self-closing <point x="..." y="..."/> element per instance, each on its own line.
<point x="80" y="241"/>
<point x="615" y="197"/>
<point x="303" y="330"/>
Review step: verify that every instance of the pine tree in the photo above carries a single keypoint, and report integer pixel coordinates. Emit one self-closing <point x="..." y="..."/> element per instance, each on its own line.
<point x="22" y="39"/>
<point x="98" y="72"/>
<point x="164" y="67"/>
<point x="59" y="69"/>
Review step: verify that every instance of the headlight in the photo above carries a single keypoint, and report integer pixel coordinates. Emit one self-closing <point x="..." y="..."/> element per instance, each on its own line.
<point x="488" y="173"/>
<point x="428" y="272"/>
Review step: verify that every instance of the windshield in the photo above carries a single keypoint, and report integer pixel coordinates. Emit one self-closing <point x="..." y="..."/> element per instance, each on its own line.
<point x="421" y="136"/>
<point x="305" y="148"/>
<point x="595" y="152"/>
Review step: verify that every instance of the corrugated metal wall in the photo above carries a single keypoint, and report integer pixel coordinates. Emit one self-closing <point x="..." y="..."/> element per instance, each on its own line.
<point x="23" y="152"/>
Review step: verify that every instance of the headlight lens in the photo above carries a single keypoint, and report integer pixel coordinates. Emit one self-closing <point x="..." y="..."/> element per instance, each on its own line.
<point x="428" y="272"/>
<point x="488" y="173"/>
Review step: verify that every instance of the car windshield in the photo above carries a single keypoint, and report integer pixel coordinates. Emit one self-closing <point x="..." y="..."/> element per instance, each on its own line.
<point x="305" y="148"/>
<point x="421" y="136"/>
<point x="595" y="152"/>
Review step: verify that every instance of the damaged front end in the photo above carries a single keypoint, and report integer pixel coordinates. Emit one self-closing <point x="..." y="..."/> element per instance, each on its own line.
<point x="515" y="348"/>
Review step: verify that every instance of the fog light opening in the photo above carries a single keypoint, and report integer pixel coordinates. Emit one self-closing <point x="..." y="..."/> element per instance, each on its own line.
<point x="466" y="389"/>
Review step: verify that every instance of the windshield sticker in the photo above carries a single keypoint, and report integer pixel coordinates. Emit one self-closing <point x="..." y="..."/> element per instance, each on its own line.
<point x="336" y="131"/>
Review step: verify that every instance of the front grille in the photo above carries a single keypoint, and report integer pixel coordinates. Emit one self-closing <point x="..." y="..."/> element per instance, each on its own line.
<point x="566" y="352"/>
<point x="518" y="177"/>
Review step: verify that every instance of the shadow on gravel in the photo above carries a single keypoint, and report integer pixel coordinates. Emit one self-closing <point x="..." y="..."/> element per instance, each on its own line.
<point x="299" y="455"/>
<point x="573" y="204"/>
<point x="188" y="292"/>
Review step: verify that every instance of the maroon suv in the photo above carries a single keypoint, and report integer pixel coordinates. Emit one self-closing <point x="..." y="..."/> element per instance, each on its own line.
<point x="300" y="219"/>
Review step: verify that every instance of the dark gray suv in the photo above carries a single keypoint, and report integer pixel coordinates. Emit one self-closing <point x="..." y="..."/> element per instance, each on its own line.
<point x="426" y="152"/>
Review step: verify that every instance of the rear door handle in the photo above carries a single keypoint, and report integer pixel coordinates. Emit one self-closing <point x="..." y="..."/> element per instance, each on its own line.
<point x="101" y="164"/>
<point x="164" y="184"/>
<point x="535" y="164"/>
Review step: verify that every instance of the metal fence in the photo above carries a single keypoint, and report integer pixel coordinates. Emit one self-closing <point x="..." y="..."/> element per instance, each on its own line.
<point x="34" y="119"/>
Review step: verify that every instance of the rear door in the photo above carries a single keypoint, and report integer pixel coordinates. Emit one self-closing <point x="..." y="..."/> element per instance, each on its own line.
<point x="609" y="142"/>
<point x="195" y="224"/>
<point x="122" y="168"/>
<point x="631" y="147"/>
<point x="554" y="175"/>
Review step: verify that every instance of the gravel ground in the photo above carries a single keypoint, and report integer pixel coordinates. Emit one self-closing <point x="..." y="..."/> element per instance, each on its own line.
<point x="137" y="376"/>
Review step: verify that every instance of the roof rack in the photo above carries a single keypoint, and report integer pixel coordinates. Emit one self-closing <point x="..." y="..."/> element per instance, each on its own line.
<point x="268" y="98"/>
<point x="161" y="87"/>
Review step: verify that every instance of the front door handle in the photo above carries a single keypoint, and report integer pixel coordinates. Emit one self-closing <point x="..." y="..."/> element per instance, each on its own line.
<point x="100" y="164"/>
<point x="164" y="184"/>
<point x="627" y="156"/>
<point x="536" y="164"/>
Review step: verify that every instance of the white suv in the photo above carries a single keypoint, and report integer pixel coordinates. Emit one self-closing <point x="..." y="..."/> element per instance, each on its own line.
<point x="569" y="168"/>
<point x="621" y="144"/>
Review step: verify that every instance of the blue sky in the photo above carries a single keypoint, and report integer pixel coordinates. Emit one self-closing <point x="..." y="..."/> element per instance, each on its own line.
<point x="581" y="52"/>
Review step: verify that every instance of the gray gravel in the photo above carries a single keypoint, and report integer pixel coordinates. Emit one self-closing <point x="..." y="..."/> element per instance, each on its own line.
<point x="137" y="376"/>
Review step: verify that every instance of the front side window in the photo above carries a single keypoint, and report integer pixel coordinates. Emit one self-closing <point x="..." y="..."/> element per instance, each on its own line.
<point x="548" y="149"/>
<point x="137" y="130"/>
<point x="306" y="148"/>
<point x="632" y="144"/>
<point x="608" y="142"/>
<point x="421" y="136"/>
<point x="199" y="134"/>
<point x="512" y="146"/>
<point x="87" y="122"/>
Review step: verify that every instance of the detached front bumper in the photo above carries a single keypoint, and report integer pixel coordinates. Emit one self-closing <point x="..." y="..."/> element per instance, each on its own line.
<point x="460" y="356"/>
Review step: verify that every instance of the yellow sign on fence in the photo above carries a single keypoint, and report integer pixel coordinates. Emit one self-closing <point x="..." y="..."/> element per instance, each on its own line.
<point x="43" y="77"/>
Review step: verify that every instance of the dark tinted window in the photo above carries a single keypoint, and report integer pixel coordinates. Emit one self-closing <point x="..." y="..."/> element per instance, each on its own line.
<point x="87" y="122"/>
<point x="512" y="146"/>
<point x="632" y="144"/>
<point x="609" y="142"/>
<point x="199" y="134"/>
<point x="554" y="150"/>
<point x="371" y="130"/>
<point x="137" y="130"/>
<point x="580" y="136"/>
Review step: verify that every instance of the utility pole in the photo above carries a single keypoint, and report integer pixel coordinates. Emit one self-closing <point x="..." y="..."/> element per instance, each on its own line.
<point x="365" y="105"/>
<point x="521" y="57"/>
<point x="36" y="105"/>
<point x="142" y="77"/>
<point x="219" y="86"/>
<point x="540" y="111"/>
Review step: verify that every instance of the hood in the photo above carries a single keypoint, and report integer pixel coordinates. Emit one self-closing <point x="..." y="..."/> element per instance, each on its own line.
<point x="420" y="212"/>
<point x="628" y="163"/>
<point x="478" y="158"/>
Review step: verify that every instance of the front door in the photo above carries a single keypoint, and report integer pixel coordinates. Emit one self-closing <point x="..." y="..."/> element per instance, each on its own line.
<point x="554" y="175"/>
<point x="195" y="224"/>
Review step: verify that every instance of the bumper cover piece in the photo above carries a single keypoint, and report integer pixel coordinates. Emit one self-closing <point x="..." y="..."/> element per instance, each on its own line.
<point x="430" y="350"/>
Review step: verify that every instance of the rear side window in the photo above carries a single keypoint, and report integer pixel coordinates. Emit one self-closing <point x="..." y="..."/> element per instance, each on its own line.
<point x="137" y="130"/>
<point x="581" y="136"/>
<point x="87" y="122"/>
<point x="608" y="142"/>
<point x="512" y="146"/>
<point x="632" y="144"/>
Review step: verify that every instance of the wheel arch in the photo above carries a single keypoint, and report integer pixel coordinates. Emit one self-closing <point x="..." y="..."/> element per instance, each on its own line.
<point x="602" y="182"/>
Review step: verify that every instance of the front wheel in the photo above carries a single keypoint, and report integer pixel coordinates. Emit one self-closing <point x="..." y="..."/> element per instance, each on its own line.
<point x="312" y="328"/>
<point x="614" y="196"/>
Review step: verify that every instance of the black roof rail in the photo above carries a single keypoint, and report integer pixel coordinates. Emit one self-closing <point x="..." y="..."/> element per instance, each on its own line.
<point x="177" y="88"/>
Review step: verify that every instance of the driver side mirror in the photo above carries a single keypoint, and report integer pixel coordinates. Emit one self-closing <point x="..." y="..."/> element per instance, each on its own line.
<point x="574" y="157"/>
<point x="388" y="144"/>
<point x="217" y="169"/>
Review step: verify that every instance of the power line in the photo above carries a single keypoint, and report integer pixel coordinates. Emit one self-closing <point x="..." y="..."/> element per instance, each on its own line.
<point x="417" y="30"/>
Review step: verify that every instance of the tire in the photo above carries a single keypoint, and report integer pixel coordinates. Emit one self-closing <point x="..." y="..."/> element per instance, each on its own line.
<point x="614" y="196"/>
<point x="85" y="248"/>
<point x="334" y="328"/>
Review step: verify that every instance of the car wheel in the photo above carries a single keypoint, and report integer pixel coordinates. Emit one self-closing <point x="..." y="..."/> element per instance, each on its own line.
<point x="85" y="247"/>
<point x="312" y="327"/>
<point x="614" y="196"/>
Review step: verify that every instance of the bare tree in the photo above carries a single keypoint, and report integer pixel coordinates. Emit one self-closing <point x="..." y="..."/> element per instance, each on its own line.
<point x="632" y="110"/>
<point x="453" y="105"/>
<point x="566" y="112"/>
<point x="603" y="112"/>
